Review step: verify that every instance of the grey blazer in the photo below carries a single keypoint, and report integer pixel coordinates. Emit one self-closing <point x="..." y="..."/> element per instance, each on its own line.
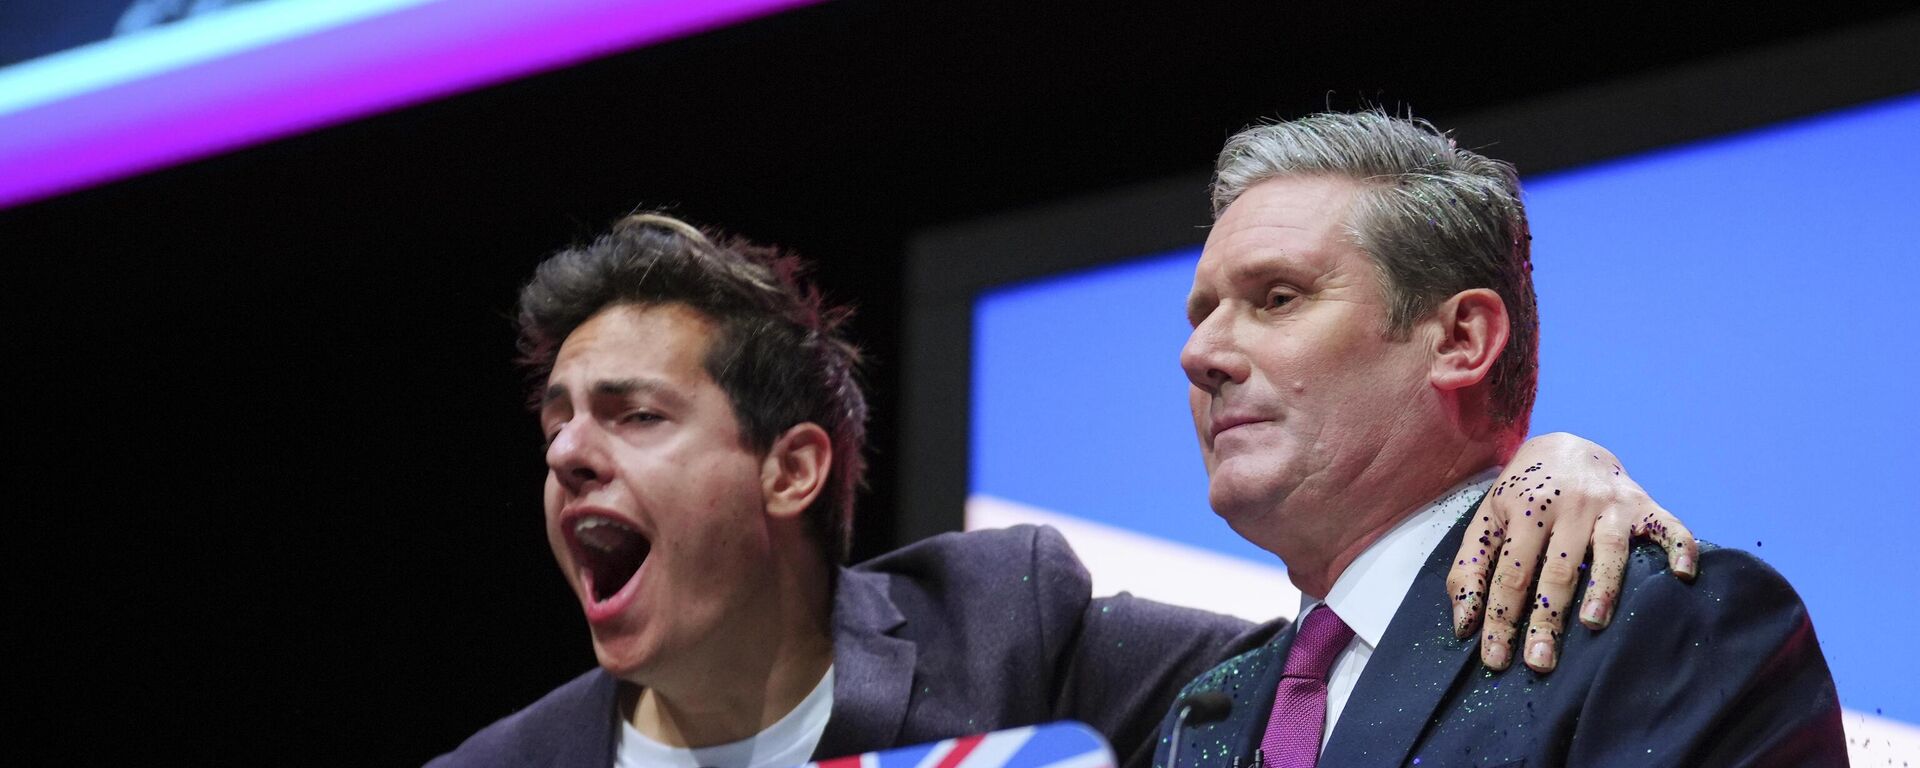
<point x="958" y="634"/>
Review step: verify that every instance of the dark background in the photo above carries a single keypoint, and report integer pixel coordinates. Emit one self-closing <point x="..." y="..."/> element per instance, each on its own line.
<point x="281" y="496"/>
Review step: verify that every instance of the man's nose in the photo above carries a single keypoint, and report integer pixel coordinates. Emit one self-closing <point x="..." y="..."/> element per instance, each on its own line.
<point x="1210" y="357"/>
<point x="578" y="457"/>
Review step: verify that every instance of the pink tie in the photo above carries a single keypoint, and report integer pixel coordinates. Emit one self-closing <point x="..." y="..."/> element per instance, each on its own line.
<point x="1300" y="702"/>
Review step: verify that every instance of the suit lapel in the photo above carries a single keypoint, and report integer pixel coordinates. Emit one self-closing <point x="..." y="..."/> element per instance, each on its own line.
<point x="1249" y="679"/>
<point x="1410" y="673"/>
<point x="1254" y="714"/>
<point x="872" y="670"/>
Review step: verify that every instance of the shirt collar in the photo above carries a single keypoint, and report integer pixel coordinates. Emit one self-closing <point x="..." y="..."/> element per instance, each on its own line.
<point x="1369" y="591"/>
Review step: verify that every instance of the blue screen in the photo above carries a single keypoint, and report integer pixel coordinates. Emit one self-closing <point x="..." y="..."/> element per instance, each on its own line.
<point x="1732" y="318"/>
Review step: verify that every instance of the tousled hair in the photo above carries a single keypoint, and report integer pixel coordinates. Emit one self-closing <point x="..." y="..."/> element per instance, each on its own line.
<point x="779" y="353"/>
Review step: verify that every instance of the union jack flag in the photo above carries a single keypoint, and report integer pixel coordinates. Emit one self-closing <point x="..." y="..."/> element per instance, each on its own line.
<point x="1065" y="744"/>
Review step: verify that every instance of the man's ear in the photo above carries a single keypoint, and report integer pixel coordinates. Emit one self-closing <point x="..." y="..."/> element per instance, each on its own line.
<point x="795" y="470"/>
<point x="1473" y="329"/>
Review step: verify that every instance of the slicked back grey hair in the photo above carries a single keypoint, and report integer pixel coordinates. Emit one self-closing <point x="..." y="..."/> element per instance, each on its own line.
<point x="1436" y="219"/>
<point x="779" y="353"/>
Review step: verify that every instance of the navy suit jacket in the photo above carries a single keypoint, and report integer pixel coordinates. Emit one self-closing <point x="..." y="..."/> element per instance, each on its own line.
<point x="1725" y="671"/>
<point x="959" y="634"/>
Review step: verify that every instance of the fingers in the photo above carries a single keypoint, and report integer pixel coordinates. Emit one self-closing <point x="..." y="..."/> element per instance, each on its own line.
<point x="1528" y="511"/>
<point x="1506" y="596"/>
<point x="1683" y="551"/>
<point x="1611" y="536"/>
<point x="1467" y="580"/>
<point x="1559" y="576"/>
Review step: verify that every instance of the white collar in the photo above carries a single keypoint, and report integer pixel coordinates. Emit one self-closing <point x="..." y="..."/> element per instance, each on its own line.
<point x="1369" y="591"/>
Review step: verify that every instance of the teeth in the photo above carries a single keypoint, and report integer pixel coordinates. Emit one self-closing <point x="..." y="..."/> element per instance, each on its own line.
<point x="603" y="534"/>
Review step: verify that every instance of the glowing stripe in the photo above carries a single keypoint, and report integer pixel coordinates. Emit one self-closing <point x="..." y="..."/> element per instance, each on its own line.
<point x="175" y="46"/>
<point x="326" y="75"/>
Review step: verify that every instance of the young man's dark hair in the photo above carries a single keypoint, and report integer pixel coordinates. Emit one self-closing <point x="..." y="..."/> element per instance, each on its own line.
<point x="779" y="355"/>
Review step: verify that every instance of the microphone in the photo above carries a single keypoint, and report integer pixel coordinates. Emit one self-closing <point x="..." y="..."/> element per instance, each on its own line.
<point x="1197" y="708"/>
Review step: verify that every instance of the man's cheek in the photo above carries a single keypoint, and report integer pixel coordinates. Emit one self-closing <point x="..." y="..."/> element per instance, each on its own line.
<point x="1207" y="459"/>
<point x="1197" y="404"/>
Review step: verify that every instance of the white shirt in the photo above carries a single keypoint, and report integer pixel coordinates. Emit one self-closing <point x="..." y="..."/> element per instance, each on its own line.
<point x="1369" y="591"/>
<point x="784" y="744"/>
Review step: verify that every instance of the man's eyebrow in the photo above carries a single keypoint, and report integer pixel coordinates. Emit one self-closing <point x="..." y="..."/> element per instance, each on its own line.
<point x="625" y="387"/>
<point x="609" y="387"/>
<point x="1263" y="266"/>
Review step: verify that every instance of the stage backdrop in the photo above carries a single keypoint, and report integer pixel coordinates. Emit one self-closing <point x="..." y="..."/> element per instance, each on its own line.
<point x="1734" y="318"/>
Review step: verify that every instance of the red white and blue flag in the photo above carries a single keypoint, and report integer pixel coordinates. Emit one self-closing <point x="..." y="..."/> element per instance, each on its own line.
<point x="1064" y="744"/>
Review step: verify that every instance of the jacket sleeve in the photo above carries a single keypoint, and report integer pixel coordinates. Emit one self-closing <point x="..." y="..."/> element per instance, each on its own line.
<point x="1127" y="658"/>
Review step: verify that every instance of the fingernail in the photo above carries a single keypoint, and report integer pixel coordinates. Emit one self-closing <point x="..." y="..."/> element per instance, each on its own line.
<point x="1459" y="619"/>
<point x="1540" y="655"/>
<point x="1594" y="612"/>
<point x="1684" y="566"/>
<point x="1495" y="655"/>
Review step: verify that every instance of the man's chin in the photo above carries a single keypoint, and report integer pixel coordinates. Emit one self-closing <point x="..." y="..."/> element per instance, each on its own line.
<point x="1243" y="492"/>
<point x="623" y="657"/>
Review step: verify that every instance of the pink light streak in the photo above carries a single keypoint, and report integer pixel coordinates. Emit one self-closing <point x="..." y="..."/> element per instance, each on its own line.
<point x="329" y="77"/>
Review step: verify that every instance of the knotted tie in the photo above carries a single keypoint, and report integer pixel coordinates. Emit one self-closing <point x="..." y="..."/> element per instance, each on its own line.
<point x="1299" y="714"/>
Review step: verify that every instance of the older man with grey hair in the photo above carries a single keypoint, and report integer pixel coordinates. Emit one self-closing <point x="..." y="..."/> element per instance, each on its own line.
<point x="1363" y="361"/>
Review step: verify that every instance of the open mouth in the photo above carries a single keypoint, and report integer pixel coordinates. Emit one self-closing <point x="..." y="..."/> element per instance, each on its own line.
<point x="611" y="552"/>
